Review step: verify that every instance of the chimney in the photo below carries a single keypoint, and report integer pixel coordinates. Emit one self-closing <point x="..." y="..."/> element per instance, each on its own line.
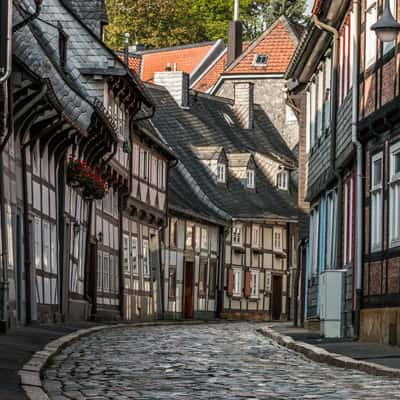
<point x="235" y="44"/>
<point x="244" y="104"/>
<point x="177" y="84"/>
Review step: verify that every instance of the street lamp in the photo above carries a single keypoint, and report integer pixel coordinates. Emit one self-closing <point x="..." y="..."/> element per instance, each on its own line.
<point x="386" y="28"/>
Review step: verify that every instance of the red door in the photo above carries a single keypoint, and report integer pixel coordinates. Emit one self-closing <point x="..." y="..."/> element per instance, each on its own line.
<point x="189" y="290"/>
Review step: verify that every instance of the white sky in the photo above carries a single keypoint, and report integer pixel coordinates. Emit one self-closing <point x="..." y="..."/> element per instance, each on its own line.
<point x="310" y="4"/>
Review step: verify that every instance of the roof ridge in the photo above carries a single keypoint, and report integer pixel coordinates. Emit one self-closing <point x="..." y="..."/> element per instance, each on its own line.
<point x="174" y="48"/>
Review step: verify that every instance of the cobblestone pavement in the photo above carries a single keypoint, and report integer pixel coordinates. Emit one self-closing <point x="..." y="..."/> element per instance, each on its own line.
<point x="224" y="361"/>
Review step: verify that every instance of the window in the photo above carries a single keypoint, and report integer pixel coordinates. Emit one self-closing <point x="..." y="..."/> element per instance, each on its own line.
<point x="203" y="277"/>
<point x="394" y="196"/>
<point x="282" y="180"/>
<point x="144" y="164"/>
<point x="221" y="173"/>
<point x="161" y="174"/>
<point x="313" y="113"/>
<point x="172" y="283"/>
<point x="320" y="101"/>
<point x="237" y="282"/>
<point x="327" y="92"/>
<point x="106" y="273"/>
<point x="314" y="241"/>
<point x="237" y="235"/>
<point x="370" y="36"/>
<point x="190" y="236"/>
<point x="250" y="179"/>
<point x="174" y="233"/>
<point x="134" y="255"/>
<point x="212" y="287"/>
<point x="146" y="266"/>
<point x="278" y="239"/>
<point x="38" y="243"/>
<point x="125" y="244"/>
<point x="204" y="238"/>
<point x="376" y="201"/>
<point x="256" y="236"/>
<point x="290" y="115"/>
<point x="46" y="246"/>
<point x="387" y="46"/>
<point x="154" y="171"/>
<point x="260" y="60"/>
<point x="99" y="271"/>
<point x="330" y="229"/>
<point x="54" y="258"/>
<point x="254" y="284"/>
<point x="349" y="191"/>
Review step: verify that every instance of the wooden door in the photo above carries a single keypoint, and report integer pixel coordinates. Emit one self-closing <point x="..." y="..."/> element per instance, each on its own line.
<point x="276" y="297"/>
<point x="189" y="290"/>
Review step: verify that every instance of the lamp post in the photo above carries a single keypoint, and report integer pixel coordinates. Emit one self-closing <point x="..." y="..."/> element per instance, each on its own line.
<point x="387" y="27"/>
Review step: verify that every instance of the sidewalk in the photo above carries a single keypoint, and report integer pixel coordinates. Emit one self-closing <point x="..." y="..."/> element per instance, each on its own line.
<point x="387" y="356"/>
<point x="17" y="347"/>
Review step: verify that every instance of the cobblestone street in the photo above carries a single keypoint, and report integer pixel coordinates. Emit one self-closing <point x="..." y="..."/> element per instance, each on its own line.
<point x="224" y="361"/>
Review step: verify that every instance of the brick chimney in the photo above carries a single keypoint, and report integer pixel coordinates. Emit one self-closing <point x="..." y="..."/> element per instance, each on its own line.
<point x="235" y="34"/>
<point x="244" y="103"/>
<point x="177" y="83"/>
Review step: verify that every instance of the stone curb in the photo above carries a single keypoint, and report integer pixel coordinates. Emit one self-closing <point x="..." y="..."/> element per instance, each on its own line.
<point x="30" y="374"/>
<point x="321" y="355"/>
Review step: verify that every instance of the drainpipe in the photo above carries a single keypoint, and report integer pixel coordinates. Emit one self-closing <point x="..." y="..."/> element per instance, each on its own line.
<point x="359" y="160"/>
<point x="334" y="106"/>
<point x="8" y="123"/>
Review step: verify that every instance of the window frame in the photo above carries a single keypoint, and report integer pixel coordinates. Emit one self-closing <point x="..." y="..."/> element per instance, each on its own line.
<point x="278" y="231"/>
<point x="237" y="283"/>
<point x="239" y="233"/>
<point x="394" y="196"/>
<point x="257" y="63"/>
<point x="376" y="195"/>
<point x="203" y="276"/>
<point x="251" y="178"/>
<point x="255" y="289"/>
<point x="221" y="172"/>
<point x="370" y="36"/>
<point x="282" y="184"/>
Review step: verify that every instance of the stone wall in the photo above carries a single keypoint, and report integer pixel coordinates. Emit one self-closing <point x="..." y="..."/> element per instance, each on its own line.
<point x="270" y="95"/>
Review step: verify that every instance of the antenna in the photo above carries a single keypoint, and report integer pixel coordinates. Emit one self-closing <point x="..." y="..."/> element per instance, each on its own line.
<point x="236" y="11"/>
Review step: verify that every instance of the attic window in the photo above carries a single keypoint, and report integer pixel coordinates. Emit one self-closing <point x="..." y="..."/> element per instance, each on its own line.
<point x="250" y="179"/>
<point x="62" y="48"/>
<point x="221" y="173"/>
<point x="282" y="180"/>
<point x="260" y="60"/>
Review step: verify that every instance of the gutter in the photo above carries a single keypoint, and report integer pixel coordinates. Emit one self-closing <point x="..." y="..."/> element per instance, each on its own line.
<point x="334" y="109"/>
<point x="359" y="160"/>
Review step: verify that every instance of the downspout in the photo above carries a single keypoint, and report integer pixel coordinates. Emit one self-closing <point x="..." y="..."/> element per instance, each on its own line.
<point x="334" y="108"/>
<point x="9" y="123"/>
<point x="359" y="160"/>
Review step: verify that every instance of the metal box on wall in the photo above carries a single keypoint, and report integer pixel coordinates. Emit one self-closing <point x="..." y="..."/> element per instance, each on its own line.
<point x="332" y="302"/>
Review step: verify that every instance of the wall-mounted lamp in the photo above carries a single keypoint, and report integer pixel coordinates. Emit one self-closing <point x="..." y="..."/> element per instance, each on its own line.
<point x="387" y="27"/>
<point x="100" y="237"/>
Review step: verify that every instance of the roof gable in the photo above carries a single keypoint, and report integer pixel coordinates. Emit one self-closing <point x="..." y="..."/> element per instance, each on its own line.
<point x="278" y="43"/>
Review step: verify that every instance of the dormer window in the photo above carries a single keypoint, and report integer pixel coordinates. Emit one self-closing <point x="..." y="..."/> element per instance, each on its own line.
<point x="282" y="180"/>
<point x="221" y="173"/>
<point x="260" y="60"/>
<point x="251" y="179"/>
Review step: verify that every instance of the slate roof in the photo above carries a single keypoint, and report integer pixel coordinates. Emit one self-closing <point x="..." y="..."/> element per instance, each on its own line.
<point x="204" y="124"/>
<point x="183" y="199"/>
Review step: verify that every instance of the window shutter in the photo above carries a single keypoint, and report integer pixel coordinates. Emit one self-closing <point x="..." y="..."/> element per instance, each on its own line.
<point x="229" y="284"/>
<point x="247" y="284"/>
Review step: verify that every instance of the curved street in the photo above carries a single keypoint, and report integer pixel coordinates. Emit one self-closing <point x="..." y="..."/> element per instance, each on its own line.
<point x="223" y="361"/>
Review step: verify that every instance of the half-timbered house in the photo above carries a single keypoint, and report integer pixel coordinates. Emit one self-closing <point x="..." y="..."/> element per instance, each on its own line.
<point x="67" y="165"/>
<point x="378" y="130"/>
<point x="238" y="163"/>
<point x="322" y="71"/>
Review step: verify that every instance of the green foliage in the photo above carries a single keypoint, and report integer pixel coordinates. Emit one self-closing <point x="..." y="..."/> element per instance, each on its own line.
<point x="163" y="23"/>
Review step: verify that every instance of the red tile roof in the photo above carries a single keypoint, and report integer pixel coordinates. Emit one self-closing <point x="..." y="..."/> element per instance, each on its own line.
<point x="185" y="58"/>
<point x="279" y="43"/>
